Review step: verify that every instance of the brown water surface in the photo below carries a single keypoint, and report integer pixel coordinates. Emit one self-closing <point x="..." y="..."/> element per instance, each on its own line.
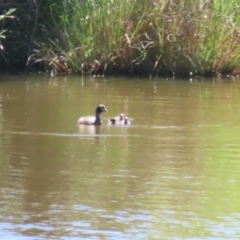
<point x="173" y="174"/>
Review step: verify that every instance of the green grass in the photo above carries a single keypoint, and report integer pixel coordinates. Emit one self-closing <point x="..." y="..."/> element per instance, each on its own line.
<point x="139" y="37"/>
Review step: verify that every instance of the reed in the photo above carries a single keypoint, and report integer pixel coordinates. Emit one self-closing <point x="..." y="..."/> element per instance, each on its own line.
<point x="152" y="37"/>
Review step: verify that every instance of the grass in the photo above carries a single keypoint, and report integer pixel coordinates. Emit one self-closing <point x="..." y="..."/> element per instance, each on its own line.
<point x="139" y="37"/>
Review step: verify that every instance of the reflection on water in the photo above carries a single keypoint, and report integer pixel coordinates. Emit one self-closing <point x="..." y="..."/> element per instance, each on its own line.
<point x="172" y="174"/>
<point x="89" y="129"/>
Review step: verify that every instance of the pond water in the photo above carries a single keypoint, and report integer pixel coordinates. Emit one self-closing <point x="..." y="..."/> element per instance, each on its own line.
<point x="174" y="173"/>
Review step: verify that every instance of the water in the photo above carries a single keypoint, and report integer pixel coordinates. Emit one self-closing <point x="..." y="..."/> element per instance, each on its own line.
<point x="173" y="174"/>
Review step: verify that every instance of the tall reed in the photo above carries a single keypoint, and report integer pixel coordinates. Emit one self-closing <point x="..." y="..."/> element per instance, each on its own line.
<point x="142" y="37"/>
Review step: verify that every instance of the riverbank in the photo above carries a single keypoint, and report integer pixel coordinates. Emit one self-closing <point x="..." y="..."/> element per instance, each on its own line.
<point x="153" y="38"/>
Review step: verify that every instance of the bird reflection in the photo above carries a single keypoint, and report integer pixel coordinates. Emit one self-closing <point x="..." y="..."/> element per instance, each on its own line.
<point x="89" y="129"/>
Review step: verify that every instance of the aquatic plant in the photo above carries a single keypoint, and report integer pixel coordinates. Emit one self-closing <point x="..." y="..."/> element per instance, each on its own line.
<point x="153" y="37"/>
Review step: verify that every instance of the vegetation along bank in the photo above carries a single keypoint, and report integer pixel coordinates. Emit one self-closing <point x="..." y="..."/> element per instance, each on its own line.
<point x="137" y="37"/>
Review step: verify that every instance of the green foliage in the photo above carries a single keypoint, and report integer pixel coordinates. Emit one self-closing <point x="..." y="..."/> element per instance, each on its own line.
<point x="135" y="36"/>
<point x="4" y="16"/>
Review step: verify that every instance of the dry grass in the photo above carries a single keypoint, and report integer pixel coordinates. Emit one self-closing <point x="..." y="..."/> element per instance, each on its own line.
<point x="140" y="37"/>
